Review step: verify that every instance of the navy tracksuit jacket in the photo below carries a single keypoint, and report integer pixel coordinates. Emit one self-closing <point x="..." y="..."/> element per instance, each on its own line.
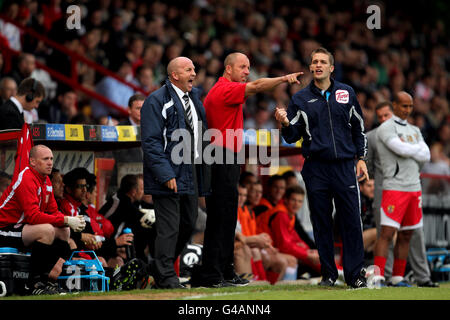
<point x="331" y="125"/>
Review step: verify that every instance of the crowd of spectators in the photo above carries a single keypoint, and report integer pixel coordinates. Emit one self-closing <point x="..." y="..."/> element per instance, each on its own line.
<point x="136" y="39"/>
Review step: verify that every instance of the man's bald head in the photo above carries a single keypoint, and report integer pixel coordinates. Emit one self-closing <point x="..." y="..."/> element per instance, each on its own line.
<point x="37" y="150"/>
<point x="41" y="159"/>
<point x="175" y="64"/>
<point x="402" y="104"/>
<point x="181" y="73"/>
<point x="237" y="67"/>
<point x="402" y="96"/>
<point x="231" y="59"/>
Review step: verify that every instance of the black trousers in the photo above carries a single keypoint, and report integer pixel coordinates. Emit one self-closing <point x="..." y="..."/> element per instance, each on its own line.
<point x="221" y="207"/>
<point x="175" y="221"/>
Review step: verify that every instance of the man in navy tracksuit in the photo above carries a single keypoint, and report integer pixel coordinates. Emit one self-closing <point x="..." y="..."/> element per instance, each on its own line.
<point x="327" y="115"/>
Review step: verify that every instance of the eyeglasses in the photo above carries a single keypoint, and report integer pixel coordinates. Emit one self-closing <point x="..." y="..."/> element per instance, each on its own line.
<point x="81" y="186"/>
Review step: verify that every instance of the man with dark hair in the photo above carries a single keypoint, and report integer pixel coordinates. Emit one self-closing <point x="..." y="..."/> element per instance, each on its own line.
<point x="30" y="94"/>
<point x="144" y="78"/>
<point x="327" y="115"/>
<point x="57" y="183"/>
<point x="134" y="110"/>
<point x="62" y="109"/>
<point x="290" y="178"/>
<point x="276" y="187"/>
<point x="30" y="219"/>
<point x="26" y="64"/>
<point x="247" y="178"/>
<point x="133" y="156"/>
<point x="8" y="88"/>
<point x="123" y="210"/>
<point x="285" y="237"/>
<point x="75" y="188"/>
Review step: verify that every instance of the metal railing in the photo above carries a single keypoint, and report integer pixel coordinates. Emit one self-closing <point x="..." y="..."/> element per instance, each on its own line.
<point x="75" y="58"/>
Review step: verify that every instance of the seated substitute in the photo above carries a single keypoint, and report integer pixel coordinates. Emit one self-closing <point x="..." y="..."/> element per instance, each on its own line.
<point x="30" y="220"/>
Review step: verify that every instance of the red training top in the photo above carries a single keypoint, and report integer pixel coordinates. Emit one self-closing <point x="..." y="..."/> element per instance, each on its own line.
<point x="285" y="238"/>
<point x="223" y="106"/>
<point x="30" y="200"/>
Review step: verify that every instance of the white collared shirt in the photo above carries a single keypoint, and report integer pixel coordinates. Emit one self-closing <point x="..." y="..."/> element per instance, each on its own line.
<point x="132" y="122"/>
<point x="17" y="103"/>
<point x="28" y="116"/>
<point x="180" y="94"/>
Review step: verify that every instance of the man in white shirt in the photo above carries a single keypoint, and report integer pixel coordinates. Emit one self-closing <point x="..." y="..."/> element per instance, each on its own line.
<point x="29" y="95"/>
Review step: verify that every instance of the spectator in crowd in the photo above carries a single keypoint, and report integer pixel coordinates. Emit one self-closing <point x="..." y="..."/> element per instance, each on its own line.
<point x="62" y="109"/>
<point x="123" y="210"/>
<point x="175" y="188"/>
<point x="8" y="30"/>
<point x="134" y="110"/>
<point x="114" y="90"/>
<point x="26" y="64"/>
<point x="329" y="167"/>
<point x="144" y="78"/>
<point x="224" y="111"/>
<point x="440" y="165"/>
<point x="261" y="120"/>
<point x="402" y="153"/>
<point x="286" y="239"/>
<point x="5" y="181"/>
<point x="29" y="95"/>
<point x="8" y="88"/>
<point x="30" y="220"/>
<point x="377" y="64"/>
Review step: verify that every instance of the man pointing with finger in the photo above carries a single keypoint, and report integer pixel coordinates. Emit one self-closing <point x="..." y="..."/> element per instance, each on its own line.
<point x="224" y="113"/>
<point x="327" y="115"/>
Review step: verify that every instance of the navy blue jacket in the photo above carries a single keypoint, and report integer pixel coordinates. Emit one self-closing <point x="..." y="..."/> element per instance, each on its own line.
<point x="162" y="113"/>
<point x="331" y="130"/>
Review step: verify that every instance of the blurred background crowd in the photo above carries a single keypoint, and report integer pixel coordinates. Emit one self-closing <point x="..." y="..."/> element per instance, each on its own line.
<point x="136" y="39"/>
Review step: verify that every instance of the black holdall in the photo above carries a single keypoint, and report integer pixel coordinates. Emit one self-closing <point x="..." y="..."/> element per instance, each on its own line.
<point x="14" y="271"/>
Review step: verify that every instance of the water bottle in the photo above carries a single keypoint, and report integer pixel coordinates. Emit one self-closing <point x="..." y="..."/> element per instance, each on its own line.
<point x="131" y="252"/>
<point x="94" y="279"/>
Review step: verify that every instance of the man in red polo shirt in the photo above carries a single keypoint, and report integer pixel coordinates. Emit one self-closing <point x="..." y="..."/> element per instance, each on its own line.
<point x="223" y="106"/>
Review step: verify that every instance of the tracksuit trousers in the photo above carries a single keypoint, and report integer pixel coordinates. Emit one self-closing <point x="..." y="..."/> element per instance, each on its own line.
<point x="336" y="180"/>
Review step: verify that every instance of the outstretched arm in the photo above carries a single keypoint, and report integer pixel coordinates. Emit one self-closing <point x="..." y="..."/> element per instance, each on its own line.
<point x="267" y="84"/>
